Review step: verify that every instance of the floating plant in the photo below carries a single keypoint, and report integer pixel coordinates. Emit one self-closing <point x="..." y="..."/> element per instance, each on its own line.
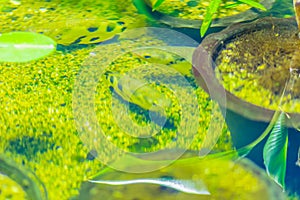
<point x="24" y="46"/>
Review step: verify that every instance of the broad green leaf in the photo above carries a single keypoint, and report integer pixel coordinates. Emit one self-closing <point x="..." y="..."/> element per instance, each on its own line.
<point x="211" y="10"/>
<point x="24" y="46"/>
<point x="157" y="4"/>
<point x="254" y="4"/>
<point x="275" y="151"/>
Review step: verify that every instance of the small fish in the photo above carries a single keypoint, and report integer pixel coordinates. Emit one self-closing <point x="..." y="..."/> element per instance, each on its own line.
<point x="153" y="55"/>
<point x="139" y="93"/>
<point x="186" y="186"/>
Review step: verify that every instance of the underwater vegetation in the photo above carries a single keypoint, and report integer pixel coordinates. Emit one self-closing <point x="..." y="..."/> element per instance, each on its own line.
<point x="250" y="66"/>
<point x="197" y="9"/>
<point x="39" y="131"/>
<point x="24" y="46"/>
<point x="68" y="22"/>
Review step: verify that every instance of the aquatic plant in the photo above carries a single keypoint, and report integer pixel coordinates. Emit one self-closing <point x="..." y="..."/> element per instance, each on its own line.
<point x="24" y="46"/>
<point x="296" y="4"/>
<point x="212" y="9"/>
<point x="274" y="153"/>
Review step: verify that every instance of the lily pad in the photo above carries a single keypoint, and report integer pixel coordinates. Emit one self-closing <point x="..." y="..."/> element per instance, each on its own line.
<point x="24" y="46"/>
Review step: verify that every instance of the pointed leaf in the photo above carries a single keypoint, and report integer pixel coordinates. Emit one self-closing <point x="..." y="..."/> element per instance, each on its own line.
<point x="211" y="10"/>
<point x="275" y="151"/>
<point x="157" y="4"/>
<point x="254" y="4"/>
<point x="24" y="46"/>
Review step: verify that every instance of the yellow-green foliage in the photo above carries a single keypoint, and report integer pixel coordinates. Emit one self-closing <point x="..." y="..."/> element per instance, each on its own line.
<point x="196" y="9"/>
<point x="37" y="126"/>
<point x="68" y="21"/>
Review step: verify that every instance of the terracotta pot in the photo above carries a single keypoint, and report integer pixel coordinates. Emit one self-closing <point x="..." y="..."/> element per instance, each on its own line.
<point x="245" y="120"/>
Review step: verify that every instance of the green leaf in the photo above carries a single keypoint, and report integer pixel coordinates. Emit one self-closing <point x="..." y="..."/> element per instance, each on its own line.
<point x="275" y="151"/>
<point x="24" y="46"/>
<point x="254" y="4"/>
<point x="211" y="10"/>
<point x="157" y="4"/>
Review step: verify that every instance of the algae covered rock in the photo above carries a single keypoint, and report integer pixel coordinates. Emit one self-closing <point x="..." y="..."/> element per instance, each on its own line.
<point x="256" y="66"/>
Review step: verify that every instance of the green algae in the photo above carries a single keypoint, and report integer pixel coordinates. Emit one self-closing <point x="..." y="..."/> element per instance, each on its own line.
<point x="189" y="9"/>
<point x="256" y="66"/>
<point x="38" y="129"/>
<point x="38" y="105"/>
<point x="37" y="98"/>
<point x="80" y="22"/>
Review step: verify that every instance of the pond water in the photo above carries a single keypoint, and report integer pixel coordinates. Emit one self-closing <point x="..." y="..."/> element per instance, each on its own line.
<point x="112" y="86"/>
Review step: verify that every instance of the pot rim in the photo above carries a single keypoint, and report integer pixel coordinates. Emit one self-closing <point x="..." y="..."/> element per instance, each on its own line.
<point x="203" y="68"/>
<point x="177" y="22"/>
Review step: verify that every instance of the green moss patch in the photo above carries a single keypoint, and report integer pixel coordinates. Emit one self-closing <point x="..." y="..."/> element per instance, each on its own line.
<point x="69" y="22"/>
<point x="38" y="129"/>
<point x="195" y="9"/>
<point x="256" y="66"/>
<point x="39" y="123"/>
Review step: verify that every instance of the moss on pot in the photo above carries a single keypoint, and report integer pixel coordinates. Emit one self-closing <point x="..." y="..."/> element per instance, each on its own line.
<point x="256" y="66"/>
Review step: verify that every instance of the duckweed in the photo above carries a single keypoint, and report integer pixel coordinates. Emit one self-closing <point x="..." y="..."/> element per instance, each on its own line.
<point x="256" y="66"/>
<point x="188" y="9"/>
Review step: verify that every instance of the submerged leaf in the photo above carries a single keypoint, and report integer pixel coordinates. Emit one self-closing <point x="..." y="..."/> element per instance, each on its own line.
<point x="157" y="4"/>
<point x="24" y="46"/>
<point x="275" y="151"/>
<point x="211" y="10"/>
<point x="254" y="4"/>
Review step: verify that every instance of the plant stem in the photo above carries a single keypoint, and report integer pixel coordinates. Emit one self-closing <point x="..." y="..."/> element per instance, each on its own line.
<point x="297" y="12"/>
